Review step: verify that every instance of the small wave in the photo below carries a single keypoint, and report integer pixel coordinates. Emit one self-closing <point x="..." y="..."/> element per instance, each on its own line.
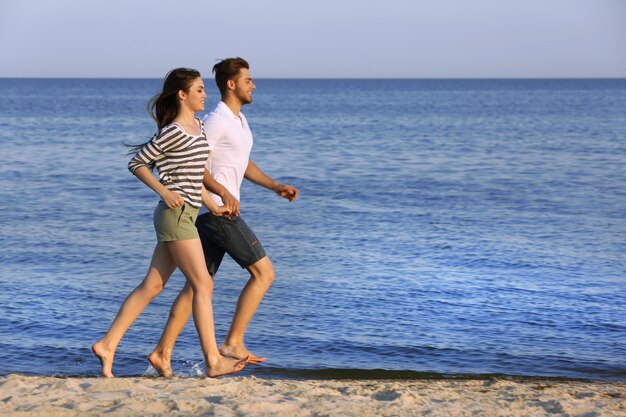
<point x="361" y="374"/>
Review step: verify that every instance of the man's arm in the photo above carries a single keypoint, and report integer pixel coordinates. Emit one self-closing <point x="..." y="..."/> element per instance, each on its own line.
<point x="215" y="187"/>
<point x="253" y="173"/>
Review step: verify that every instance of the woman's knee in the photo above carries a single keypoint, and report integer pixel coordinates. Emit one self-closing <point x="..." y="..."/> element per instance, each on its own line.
<point x="151" y="289"/>
<point x="200" y="286"/>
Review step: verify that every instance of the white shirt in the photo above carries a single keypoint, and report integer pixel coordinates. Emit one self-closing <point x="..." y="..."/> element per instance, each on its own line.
<point x="231" y="141"/>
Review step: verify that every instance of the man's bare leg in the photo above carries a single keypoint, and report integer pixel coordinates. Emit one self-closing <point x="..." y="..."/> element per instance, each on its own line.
<point x="179" y="315"/>
<point x="261" y="277"/>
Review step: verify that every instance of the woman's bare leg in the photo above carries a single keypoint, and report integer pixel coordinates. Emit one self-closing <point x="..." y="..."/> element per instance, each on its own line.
<point x="189" y="257"/>
<point x="161" y="268"/>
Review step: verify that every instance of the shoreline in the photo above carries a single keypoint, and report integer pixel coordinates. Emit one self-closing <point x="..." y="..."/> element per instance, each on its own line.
<point x="23" y="395"/>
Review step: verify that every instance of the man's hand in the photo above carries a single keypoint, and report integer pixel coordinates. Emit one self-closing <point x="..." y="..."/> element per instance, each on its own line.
<point x="254" y="174"/>
<point x="287" y="191"/>
<point x="231" y="203"/>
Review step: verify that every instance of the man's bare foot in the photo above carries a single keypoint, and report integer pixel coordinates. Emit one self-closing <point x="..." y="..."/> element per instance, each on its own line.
<point x="161" y="363"/>
<point x="105" y="357"/>
<point x="225" y="366"/>
<point x="240" y="352"/>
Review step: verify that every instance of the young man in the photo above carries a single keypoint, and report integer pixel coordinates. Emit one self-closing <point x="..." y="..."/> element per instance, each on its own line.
<point x="231" y="141"/>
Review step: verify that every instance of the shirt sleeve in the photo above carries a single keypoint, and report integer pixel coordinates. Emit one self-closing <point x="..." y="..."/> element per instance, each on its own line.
<point x="213" y="129"/>
<point x="156" y="147"/>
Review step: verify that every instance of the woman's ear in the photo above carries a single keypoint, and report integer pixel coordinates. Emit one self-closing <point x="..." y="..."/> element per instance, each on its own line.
<point x="181" y="95"/>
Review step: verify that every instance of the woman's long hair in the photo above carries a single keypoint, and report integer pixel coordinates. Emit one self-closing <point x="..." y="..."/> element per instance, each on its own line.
<point x="164" y="107"/>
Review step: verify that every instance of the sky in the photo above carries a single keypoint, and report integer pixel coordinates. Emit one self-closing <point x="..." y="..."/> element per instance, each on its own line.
<point x="315" y="39"/>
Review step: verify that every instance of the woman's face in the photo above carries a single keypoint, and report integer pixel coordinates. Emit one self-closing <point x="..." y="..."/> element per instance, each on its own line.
<point x="194" y="98"/>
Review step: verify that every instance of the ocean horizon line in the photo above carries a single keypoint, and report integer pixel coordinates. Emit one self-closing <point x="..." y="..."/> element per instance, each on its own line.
<point x="336" y="78"/>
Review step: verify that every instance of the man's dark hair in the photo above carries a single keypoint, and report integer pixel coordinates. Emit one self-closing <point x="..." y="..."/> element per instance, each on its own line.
<point x="228" y="69"/>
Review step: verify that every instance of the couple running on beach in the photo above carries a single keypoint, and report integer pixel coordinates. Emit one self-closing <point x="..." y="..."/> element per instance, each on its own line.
<point x="196" y="227"/>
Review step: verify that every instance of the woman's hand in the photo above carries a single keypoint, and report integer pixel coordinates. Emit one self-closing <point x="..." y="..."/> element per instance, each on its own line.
<point x="221" y="211"/>
<point x="172" y="200"/>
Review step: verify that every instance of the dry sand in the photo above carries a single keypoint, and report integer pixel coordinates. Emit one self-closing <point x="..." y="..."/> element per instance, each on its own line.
<point x="250" y="396"/>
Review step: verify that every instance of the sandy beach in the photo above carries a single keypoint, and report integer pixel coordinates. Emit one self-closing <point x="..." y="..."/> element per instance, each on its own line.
<point x="251" y="396"/>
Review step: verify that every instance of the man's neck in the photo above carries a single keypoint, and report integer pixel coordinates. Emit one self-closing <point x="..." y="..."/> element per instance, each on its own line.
<point x="233" y="103"/>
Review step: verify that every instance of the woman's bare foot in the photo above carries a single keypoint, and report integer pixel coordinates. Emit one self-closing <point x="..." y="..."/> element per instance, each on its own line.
<point x="161" y="362"/>
<point x="240" y="352"/>
<point x="225" y="366"/>
<point x="105" y="357"/>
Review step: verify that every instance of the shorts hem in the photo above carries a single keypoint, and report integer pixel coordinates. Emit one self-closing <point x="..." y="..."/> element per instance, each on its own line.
<point x="251" y="263"/>
<point x="174" y="238"/>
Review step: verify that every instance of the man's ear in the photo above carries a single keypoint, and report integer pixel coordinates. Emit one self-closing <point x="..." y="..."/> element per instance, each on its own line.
<point x="230" y="84"/>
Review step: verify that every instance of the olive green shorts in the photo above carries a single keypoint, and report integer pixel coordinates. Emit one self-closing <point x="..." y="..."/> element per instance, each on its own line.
<point x="175" y="223"/>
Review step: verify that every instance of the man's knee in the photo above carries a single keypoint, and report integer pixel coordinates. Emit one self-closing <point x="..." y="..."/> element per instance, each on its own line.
<point x="186" y="291"/>
<point x="267" y="277"/>
<point x="263" y="271"/>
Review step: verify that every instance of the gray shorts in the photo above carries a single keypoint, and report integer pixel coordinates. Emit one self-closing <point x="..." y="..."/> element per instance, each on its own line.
<point x="221" y="234"/>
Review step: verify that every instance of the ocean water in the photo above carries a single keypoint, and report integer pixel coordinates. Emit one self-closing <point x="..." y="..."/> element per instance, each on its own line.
<point x="444" y="228"/>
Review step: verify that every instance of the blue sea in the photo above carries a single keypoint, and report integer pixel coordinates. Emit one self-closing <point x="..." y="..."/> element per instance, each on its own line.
<point x="445" y="228"/>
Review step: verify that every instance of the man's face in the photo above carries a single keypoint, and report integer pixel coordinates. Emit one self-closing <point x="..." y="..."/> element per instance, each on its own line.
<point x="244" y="86"/>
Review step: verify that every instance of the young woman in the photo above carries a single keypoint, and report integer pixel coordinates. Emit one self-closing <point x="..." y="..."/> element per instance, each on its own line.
<point x="180" y="151"/>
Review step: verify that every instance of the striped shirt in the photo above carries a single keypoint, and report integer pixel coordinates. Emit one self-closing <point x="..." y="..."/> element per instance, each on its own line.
<point x="180" y="159"/>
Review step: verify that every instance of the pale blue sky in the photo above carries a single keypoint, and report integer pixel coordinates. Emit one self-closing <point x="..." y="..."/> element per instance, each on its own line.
<point x="321" y="38"/>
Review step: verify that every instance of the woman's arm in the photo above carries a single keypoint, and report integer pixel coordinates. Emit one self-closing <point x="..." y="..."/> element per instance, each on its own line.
<point x="145" y="157"/>
<point x="170" y="198"/>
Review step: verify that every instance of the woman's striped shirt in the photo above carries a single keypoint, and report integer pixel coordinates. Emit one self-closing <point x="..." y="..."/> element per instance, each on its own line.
<point x="180" y="159"/>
